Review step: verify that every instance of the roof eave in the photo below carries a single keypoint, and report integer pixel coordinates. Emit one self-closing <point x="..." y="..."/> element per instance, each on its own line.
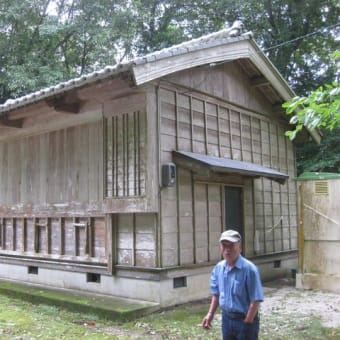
<point x="183" y="59"/>
<point x="268" y="69"/>
<point x="204" y="164"/>
<point x="60" y="88"/>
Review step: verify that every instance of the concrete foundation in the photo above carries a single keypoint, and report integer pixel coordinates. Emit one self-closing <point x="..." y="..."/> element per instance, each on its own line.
<point x="166" y="289"/>
<point x="165" y="292"/>
<point x="318" y="281"/>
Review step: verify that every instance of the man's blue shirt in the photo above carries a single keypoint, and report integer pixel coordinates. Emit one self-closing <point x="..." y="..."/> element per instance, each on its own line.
<point x="236" y="287"/>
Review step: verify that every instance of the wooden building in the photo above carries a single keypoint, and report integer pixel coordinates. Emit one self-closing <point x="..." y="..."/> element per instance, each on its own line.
<point x="121" y="181"/>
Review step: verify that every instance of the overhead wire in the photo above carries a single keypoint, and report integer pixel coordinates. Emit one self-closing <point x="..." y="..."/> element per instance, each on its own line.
<point x="302" y="37"/>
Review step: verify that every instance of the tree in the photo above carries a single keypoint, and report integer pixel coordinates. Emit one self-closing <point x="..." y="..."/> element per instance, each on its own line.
<point x="320" y="109"/>
<point x="298" y="36"/>
<point x="320" y="157"/>
<point x="40" y="47"/>
<point x="299" y="40"/>
<point x="23" y="50"/>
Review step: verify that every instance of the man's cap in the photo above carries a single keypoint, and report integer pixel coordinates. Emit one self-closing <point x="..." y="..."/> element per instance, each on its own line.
<point x="231" y="236"/>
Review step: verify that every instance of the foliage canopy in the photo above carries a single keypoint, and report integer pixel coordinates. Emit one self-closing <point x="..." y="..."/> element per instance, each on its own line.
<point x="320" y="109"/>
<point x="43" y="42"/>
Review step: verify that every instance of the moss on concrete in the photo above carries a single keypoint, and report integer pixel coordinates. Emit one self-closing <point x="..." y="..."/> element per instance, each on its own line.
<point x="108" y="307"/>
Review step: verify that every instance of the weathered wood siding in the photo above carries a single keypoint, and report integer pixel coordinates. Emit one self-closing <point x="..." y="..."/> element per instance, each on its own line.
<point x="130" y="178"/>
<point x="65" y="193"/>
<point x="192" y="213"/>
<point x="57" y="167"/>
<point x="48" y="182"/>
<point x="136" y="239"/>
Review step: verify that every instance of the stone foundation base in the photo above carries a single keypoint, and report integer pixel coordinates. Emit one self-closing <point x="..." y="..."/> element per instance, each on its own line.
<point x="318" y="281"/>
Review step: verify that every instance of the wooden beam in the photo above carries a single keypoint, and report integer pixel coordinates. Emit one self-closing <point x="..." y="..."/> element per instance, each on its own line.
<point x="67" y="107"/>
<point x="111" y="247"/>
<point x="24" y="235"/>
<point x="90" y="237"/>
<point x="62" y="236"/>
<point x="14" y="123"/>
<point x="66" y="103"/>
<point x="14" y="234"/>
<point x="61" y="105"/>
<point x="259" y="81"/>
<point x="277" y="108"/>
<point x="2" y="234"/>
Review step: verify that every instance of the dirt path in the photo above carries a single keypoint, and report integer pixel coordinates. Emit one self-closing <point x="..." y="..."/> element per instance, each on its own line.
<point x="282" y="297"/>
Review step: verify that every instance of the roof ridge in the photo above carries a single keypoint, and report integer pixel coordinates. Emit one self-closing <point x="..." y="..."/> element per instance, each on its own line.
<point x="236" y="30"/>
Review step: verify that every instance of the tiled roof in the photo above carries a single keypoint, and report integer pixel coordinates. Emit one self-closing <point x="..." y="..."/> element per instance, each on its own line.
<point x="225" y="36"/>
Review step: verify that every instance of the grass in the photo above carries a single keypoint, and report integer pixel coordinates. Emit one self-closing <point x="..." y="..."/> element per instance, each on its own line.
<point x="27" y="321"/>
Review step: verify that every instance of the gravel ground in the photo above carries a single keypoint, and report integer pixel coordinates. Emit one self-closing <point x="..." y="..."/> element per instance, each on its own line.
<point x="282" y="297"/>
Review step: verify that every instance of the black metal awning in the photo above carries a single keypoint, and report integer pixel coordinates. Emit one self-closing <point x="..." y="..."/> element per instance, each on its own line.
<point x="204" y="164"/>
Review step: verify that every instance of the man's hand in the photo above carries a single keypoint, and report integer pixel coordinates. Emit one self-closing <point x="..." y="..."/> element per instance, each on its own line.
<point x="206" y="322"/>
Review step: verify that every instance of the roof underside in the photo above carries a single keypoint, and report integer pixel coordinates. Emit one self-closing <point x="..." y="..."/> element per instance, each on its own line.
<point x="205" y="164"/>
<point x="259" y="81"/>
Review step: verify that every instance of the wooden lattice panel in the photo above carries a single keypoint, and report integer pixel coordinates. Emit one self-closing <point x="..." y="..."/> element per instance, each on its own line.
<point x="64" y="238"/>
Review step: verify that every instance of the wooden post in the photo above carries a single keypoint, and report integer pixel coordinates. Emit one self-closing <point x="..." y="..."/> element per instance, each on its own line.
<point x="2" y="234"/>
<point x="24" y="235"/>
<point x="89" y="237"/>
<point x="111" y="242"/>
<point x="62" y="236"/>
<point x="14" y="233"/>
<point x="301" y="240"/>
<point x="36" y="235"/>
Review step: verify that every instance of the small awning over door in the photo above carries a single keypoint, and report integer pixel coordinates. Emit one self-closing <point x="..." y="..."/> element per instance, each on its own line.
<point x="204" y="164"/>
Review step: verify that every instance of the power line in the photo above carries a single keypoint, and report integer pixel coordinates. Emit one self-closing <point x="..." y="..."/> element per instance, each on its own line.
<point x="262" y="51"/>
<point x="301" y="37"/>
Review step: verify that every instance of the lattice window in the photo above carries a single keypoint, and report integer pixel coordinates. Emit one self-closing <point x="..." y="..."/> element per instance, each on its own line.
<point x="125" y="154"/>
<point x="59" y="238"/>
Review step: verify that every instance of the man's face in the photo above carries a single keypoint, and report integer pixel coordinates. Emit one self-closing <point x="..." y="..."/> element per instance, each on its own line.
<point x="230" y="251"/>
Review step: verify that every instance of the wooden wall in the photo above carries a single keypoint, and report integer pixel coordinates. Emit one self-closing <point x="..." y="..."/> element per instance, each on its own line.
<point x="192" y="213"/>
<point x="135" y="236"/>
<point x="72" y="194"/>
<point x="48" y="182"/>
<point x="62" y="166"/>
<point x="84" y="191"/>
<point x="63" y="238"/>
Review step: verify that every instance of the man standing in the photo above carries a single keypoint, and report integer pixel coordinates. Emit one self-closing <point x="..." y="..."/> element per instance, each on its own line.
<point x="236" y="287"/>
